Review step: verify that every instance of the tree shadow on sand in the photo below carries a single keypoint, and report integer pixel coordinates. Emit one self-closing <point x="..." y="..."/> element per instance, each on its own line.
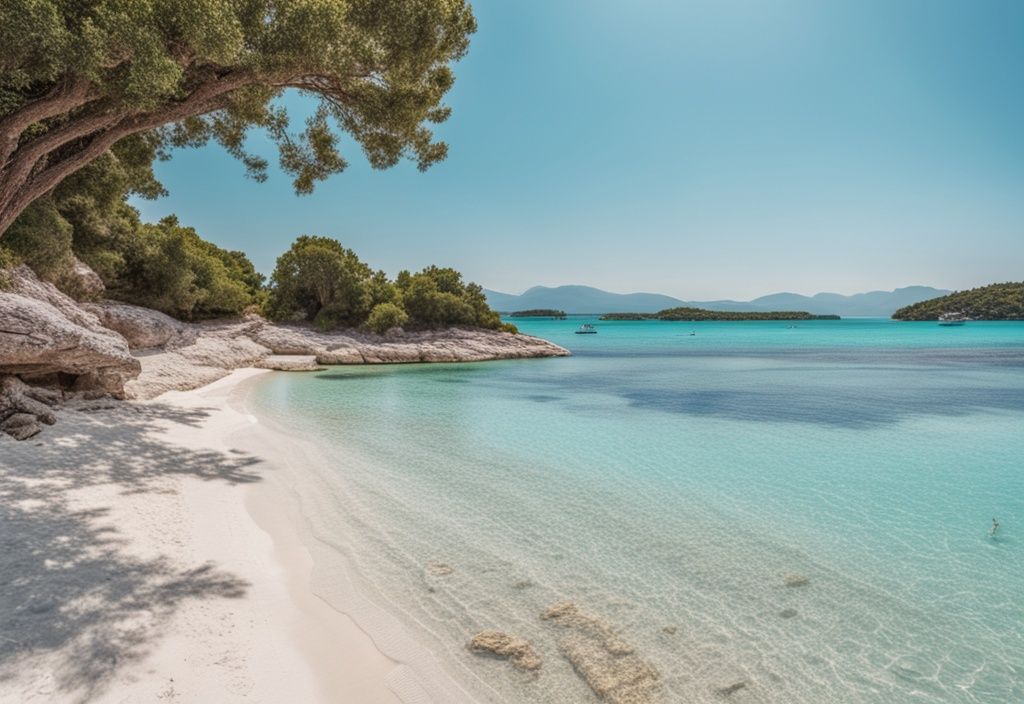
<point x="72" y="592"/>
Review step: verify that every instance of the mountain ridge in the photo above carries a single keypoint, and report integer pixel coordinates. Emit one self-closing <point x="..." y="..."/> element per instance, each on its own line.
<point x="577" y="298"/>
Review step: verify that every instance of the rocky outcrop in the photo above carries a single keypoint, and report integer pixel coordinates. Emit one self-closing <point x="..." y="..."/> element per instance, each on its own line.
<point x="45" y="335"/>
<point x="209" y="351"/>
<point x="606" y="663"/>
<point x="516" y="650"/>
<point x="24" y="409"/>
<point x="49" y="339"/>
<point x="290" y="363"/>
<point x="143" y="328"/>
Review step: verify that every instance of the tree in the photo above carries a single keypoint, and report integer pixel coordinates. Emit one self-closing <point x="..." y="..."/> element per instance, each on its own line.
<point x="437" y="297"/>
<point x="170" y="268"/>
<point x="79" y="78"/>
<point x="318" y="279"/>
<point x="385" y="316"/>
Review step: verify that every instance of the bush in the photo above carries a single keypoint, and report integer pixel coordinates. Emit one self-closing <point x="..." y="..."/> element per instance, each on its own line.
<point x="437" y="297"/>
<point x="319" y="280"/>
<point x="170" y="268"/>
<point x="385" y="316"/>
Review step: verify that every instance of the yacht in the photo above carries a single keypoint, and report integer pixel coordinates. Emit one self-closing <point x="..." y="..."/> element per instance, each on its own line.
<point x="953" y="319"/>
<point x="586" y="329"/>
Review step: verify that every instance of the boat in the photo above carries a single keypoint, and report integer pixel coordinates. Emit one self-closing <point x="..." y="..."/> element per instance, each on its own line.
<point x="586" y="329"/>
<point x="953" y="319"/>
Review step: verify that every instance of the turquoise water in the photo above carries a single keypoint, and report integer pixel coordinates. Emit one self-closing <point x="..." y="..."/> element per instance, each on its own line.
<point x="668" y="483"/>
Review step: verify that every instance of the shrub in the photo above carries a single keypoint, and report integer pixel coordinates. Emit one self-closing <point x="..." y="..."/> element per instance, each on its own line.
<point x="320" y="280"/>
<point x="170" y="268"/>
<point x="385" y="316"/>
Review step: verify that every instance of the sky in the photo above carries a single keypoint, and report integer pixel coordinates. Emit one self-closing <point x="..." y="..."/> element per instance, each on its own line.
<point x="701" y="148"/>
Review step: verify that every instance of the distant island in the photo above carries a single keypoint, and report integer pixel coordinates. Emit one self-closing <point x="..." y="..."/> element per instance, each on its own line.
<point x="697" y="314"/>
<point x="538" y="313"/>
<point x="993" y="302"/>
<point x="576" y="299"/>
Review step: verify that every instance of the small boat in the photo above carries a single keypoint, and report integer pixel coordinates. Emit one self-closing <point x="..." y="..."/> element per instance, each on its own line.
<point x="953" y="319"/>
<point x="586" y="329"/>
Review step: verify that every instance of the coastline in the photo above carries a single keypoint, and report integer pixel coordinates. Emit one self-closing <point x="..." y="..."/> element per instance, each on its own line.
<point x="187" y="568"/>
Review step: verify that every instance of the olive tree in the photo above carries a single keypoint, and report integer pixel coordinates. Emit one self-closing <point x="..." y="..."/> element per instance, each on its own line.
<point x="79" y="76"/>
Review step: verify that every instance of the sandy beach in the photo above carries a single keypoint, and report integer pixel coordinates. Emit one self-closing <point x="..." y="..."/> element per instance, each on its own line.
<point x="154" y="551"/>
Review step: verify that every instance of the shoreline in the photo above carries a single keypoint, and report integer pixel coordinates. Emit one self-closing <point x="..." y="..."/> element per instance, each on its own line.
<point x="188" y="570"/>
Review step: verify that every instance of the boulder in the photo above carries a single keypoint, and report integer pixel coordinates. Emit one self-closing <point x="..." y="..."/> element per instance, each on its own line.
<point x="24" y="408"/>
<point x="142" y="327"/>
<point x="44" y="333"/>
<point x="86" y="283"/>
<point x="516" y="650"/>
<point x="21" y="426"/>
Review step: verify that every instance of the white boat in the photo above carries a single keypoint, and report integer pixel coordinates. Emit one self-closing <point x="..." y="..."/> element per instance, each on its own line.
<point x="953" y="319"/>
<point x="586" y="329"/>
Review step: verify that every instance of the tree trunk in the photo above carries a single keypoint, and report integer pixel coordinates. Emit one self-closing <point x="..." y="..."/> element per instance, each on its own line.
<point x="31" y="168"/>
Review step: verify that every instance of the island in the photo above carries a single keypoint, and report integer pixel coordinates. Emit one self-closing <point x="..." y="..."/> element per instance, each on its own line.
<point x="539" y="313"/>
<point x="994" y="302"/>
<point x="698" y="314"/>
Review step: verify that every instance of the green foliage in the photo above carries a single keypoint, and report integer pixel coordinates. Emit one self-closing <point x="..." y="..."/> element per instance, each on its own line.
<point x="995" y="302"/>
<point x="170" y="268"/>
<point x="42" y="239"/>
<point x="696" y="314"/>
<point x="183" y="72"/>
<point x="509" y="328"/>
<point x="539" y="313"/>
<point x="385" y="316"/>
<point x="437" y="297"/>
<point x="317" y="279"/>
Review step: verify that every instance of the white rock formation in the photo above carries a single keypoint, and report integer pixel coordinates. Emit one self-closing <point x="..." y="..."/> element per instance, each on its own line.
<point x="44" y="333"/>
<point x="48" y="338"/>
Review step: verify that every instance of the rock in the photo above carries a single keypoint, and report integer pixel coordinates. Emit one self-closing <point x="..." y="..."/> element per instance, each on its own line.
<point x="606" y="663"/>
<point x="731" y="689"/>
<point x="795" y="580"/>
<point x="85" y="282"/>
<point x="142" y="327"/>
<point x="517" y="650"/>
<point x="45" y="333"/>
<point x="23" y="408"/>
<point x="290" y="363"/>
<point x="21" y="426"/>
<point x="340" y="355"/>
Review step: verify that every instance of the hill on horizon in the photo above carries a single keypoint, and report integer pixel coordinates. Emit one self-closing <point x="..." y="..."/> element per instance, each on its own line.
<point x="590" y="300"/>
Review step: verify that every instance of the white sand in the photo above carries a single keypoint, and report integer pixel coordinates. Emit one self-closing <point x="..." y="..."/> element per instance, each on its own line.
<point x="150" y="552"/>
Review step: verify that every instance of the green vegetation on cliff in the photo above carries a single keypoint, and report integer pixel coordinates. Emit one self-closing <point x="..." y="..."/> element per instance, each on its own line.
<point x="697" y="314"/>
<point x="994" y="302"/>
<point x="539" y="313"/>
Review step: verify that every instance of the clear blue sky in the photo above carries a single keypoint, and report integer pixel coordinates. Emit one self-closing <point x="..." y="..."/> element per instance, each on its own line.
<point x="705" y="149"/>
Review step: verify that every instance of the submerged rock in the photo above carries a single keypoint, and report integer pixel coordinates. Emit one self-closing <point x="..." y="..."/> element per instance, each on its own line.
<point x="513" y="648"/>
<point x="606" y="663"/>
<point x="440" y="569"/>
<point x="731" y="689"/>
<point x="795" y="580"/>
<point x="788" y="613"/>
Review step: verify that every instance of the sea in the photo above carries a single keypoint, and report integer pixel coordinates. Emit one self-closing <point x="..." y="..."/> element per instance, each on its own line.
<point x="769" y="511"/>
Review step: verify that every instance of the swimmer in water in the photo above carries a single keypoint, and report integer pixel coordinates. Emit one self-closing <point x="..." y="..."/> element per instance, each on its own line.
<point x="995" y="527"/>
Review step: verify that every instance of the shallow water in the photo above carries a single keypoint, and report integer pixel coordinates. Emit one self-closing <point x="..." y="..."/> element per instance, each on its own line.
<point x="668" y="483"/>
